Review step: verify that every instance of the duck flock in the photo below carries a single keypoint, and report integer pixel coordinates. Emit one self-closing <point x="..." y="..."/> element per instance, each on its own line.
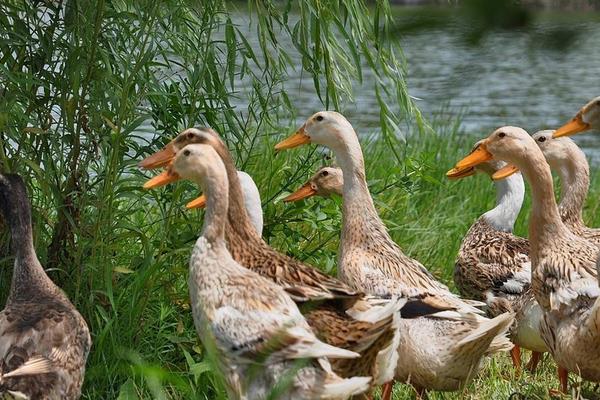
<point x="279" y="328"/>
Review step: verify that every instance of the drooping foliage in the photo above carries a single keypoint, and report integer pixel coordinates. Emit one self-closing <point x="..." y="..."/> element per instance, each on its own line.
<point x="88" y="88"/>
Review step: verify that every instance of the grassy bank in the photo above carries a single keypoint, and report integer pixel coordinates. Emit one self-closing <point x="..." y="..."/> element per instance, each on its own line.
<point x="149" y="332"/>
<point x="89" y="90"/>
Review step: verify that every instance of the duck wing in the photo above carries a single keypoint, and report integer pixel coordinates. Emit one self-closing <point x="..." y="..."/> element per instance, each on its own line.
<point x="301" y="281"/>
<point x="43" y="349"/>
<point x="266" y="324"/>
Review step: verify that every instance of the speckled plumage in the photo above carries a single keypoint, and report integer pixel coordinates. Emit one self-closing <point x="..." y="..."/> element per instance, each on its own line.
<point x="436" y="353"/>
<point x="38" y="321"/>
<point x="510" y="280"/>
<point x="564" y="280"/>
<point x="254" y="327"/>
<point x="494" y="265"/>
<point x="433" y="354"/>
<point x="247" y="247"/>
<point x="302" y="282"/>
<point x="492" y="260"/>
<point x="252" y="319"/>
<point x="367" y="339"/>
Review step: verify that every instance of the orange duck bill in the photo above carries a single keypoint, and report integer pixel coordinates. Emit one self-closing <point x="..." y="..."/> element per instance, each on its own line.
<point x="159" y="159"/>
<point x="465" y="167"/>
<point x="572" y="127"/>
<point x="505" y="172"/>
<point x="162" y="179"/>
<point x="297" y="139"/>
<point x="479" y="155"/>
<point x="456" y="173"/>
<point x="198" y="202"/>
<point x="305" y="191"/>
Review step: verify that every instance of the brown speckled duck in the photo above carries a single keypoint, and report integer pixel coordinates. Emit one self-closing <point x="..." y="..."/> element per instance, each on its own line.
<point x="44" y="341"/>
<point x="369" y="331"/>
<point x="257" y="330"/>
<point x="493" y="264"/>
<point x="564" y="277"/>
<point x="304" y="282"/>
<point x="565" y="157"/>
<point x="441" y="353"/>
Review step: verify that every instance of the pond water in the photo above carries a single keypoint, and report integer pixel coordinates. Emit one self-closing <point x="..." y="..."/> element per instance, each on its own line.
<point x="535" y="76"/>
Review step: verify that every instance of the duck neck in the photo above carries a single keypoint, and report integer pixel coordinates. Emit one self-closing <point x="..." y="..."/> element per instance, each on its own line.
<point x="574" y="175"/>
<point x="251" y="201"/>
<point x="360" y="219"/>
<point x="29" y="277"/>
<point x="239" y="230"/>
<point x="509" y="199"/>
<point x="545" y="224"/>
<point x="217" y="199"/>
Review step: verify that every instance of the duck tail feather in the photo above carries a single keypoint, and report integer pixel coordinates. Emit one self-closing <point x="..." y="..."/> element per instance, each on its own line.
<point x="373" y="310"/>
<point x="387" y="358"/>
<point x="339" y="388"/>
<point x="33" y="366"/>
<point x="490" y="329"/>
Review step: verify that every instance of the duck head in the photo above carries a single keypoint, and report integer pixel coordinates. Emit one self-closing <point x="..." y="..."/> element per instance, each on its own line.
<point x="587" y="118"/>
<point x="192" y="162"/>
<point x="509" y="143"/>
<point x="327" y="128"/>
<point x="557" y="150"/>
<point x="189" y="136"/>
<point x="13" y="199"/>
<point x="325" y="182"/>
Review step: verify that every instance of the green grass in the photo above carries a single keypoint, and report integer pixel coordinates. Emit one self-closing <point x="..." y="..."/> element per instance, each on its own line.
<point x="82" y="93"/>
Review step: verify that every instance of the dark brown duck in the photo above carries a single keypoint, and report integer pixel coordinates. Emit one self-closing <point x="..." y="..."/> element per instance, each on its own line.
<point x="44" y="341"/>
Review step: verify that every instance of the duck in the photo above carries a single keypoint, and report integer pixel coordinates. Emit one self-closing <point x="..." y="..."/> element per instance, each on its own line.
<point x="305" y="283"/>
<point x="339" y="315"/>
<point x="440" y="353"/>
<point x="587" y="118"/>
<point x="320" y="318"/>
<point x="44" y="340"/>
<point x="565" y="157"/>
<point x="327" y="181"/>
<point x="253" y="327"/>
<point x="493" y="264"/>
<point x="564" y="276"/>
<point x="252" y="201"/>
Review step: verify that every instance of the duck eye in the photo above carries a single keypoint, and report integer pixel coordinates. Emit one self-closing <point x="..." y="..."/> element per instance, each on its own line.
<point x="542" y="139"/>
<point x="190" y="135"/>
<point x="319" y="118"/>
<point x="186" y="153"/>
<point x="324" y="173"/>
<point x="501" y="134"/>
